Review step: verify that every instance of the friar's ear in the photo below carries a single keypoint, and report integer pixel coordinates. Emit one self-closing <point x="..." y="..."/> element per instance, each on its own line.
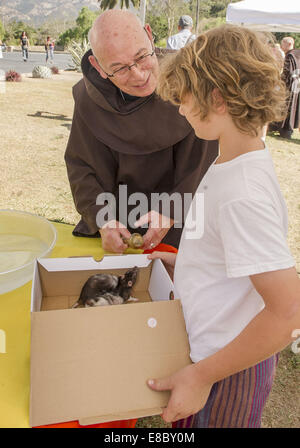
<point x="148" y="30"/>
<point x="93" y="61"/>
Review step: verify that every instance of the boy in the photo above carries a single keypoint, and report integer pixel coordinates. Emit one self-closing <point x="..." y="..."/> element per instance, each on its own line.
<point x="239" y="289"/>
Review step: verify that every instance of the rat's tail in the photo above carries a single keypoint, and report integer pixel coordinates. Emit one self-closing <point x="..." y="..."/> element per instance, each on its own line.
<point x="76" y="304"/>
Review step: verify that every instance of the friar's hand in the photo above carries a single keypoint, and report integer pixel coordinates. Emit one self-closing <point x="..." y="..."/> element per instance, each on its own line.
<point x="159" y="225"/>
<point x="189" y="393"/>
<point x="111" y="235"/>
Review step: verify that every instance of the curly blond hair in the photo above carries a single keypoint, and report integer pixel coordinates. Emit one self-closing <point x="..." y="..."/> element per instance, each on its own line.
<point x="236" y="61"/>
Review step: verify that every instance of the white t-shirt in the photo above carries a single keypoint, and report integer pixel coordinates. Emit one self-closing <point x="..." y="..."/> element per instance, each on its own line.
<point x="245" y="228"/>
<point x="180" y="39"/>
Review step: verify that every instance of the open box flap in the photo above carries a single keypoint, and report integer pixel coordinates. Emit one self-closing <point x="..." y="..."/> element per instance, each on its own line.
<point x="160" y="284"/>
<point x="70" y="379"/>
<point x="88" y="263"/>
<point x="36" y="290"/>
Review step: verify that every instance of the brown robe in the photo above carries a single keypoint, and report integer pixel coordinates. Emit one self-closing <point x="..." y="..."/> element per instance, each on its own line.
<point x="143" y="143"/>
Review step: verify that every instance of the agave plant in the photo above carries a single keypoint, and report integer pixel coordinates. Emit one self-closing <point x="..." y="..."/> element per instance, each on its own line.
<point x="77" y="50"/>
<point x="41" y="71"/>
<point x="110" y="4"/>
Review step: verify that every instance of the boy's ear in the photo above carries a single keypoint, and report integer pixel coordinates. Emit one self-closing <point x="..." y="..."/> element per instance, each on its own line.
<point x="218" y="101"/>
<point x="95" y="64"/>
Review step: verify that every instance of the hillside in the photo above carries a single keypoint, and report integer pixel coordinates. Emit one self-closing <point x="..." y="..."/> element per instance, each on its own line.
<point x="37" y="12"/>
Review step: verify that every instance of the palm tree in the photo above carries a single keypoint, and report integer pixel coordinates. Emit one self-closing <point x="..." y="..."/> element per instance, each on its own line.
<point x="110" y="4"/>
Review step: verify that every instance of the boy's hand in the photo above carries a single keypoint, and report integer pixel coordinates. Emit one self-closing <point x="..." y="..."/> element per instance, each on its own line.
<point x="189" y="393"/>
<point x="168" y="259"/>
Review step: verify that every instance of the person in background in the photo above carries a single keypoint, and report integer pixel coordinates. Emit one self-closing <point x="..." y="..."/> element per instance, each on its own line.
<point x="49" y="47"/>
<point x="291" y="78"/>
<point x="184" y="36"/>
<point x="24" y="45"/>
<point x="287" y="44"/>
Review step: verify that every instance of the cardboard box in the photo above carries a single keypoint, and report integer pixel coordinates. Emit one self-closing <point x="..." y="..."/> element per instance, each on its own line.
<point x="91" y="364"/>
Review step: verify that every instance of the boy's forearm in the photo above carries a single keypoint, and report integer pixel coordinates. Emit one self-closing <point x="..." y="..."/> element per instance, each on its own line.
<point x="265" y="335"/>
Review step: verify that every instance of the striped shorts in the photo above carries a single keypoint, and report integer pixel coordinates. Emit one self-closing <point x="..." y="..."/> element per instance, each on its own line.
<point x="237" y="401"/>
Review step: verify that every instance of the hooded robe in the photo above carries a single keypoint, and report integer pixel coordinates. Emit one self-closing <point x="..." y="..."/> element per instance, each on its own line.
<point x="142" y="143"/>
<point x="291" y="77"/>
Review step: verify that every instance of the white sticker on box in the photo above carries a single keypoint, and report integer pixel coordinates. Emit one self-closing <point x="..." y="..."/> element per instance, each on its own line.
<point x="152" y="322"/>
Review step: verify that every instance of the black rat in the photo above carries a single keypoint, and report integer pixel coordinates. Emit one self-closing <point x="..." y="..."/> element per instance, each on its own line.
<point x="107" y="289"/>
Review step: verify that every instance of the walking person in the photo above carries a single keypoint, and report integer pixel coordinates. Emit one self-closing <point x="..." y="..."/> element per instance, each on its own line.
<point x="49" y="47"/>
<point x="24" y="45"/>
<point x="184" y="35"/>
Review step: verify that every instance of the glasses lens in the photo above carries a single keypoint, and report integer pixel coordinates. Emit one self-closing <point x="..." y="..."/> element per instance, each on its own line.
<point x="145" y="60"/>
<point x="121" y="72"/>
<point x="141" y="62"/>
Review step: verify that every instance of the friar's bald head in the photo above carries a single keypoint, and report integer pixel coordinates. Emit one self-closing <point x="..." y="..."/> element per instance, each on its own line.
<point x="117" y="39"/>
<point x="113" y="28"/>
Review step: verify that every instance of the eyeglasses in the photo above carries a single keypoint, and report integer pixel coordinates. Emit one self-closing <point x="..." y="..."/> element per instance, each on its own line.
<point x="141" y="63"/>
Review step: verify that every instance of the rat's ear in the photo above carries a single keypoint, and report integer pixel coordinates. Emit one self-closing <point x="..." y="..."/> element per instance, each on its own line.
<point x="129" y="283"/>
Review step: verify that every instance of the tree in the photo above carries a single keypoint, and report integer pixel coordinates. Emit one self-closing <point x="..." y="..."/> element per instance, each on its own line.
<point x="166" y="11"/>
<point x="53" y="28"/>
<point x="14" y="30"/>
<point x="85" y="20"/>
<point x="217" y="8"/>
<point x="66" y="37"/>
<point x="78" y="33"/>
<point x="159" y="26"/>
<point x="2" y="30"/>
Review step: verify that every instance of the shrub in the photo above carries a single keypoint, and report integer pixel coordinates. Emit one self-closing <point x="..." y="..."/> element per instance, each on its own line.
<point x="55" y="70"/>
<point x="77" y="50"/>
<point x="13" y="76"/>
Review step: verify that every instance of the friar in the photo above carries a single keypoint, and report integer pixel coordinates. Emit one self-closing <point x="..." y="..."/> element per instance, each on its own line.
<point x="124" y="134"/>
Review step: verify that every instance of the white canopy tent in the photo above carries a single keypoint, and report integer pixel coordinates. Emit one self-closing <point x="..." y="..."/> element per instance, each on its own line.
<point x="266" y="15"/>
